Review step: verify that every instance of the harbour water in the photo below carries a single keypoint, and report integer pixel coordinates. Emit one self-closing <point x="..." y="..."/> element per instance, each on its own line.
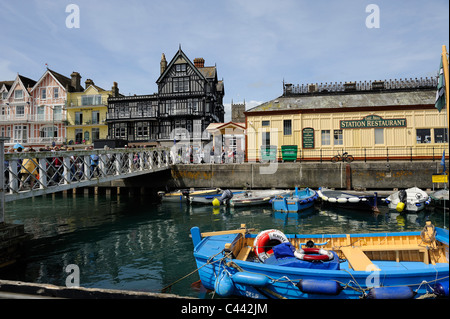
<point x="133" y="243"/>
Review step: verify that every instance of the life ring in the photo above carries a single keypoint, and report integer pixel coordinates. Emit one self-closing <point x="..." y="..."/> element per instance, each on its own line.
<point x="314" y="254"/>
<point x="262" y="246"/>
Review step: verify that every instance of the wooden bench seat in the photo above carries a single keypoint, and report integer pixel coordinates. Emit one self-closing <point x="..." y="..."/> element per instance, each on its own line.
<point x="357" y="259"/>
<point x="243" y="254"/>
<point x="397" y="249"/>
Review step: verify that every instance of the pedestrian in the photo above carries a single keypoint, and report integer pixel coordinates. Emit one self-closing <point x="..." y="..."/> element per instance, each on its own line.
<point x="29" y="171"/>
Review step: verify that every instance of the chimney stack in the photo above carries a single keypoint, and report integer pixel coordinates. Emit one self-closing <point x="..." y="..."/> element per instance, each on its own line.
<point x="88" y="82"/>
<point x="199" y="62"/>
<point x="115" y="90"/>
<point x="163" y="63"/>
<point x="75" y="81"/>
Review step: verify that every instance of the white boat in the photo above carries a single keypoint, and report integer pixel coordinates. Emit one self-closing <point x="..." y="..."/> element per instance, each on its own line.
<point x="412" y="199"/>
<point x="257" y="197"/>
<point x="180" y="196"/>
<point x="346" y="199"/>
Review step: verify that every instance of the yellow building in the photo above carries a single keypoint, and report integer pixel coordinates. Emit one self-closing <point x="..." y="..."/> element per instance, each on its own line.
<point x="369" y="120"/>
<point x="86" y="113"/>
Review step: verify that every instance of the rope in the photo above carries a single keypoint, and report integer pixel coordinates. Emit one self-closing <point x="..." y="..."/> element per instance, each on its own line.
<point x="208" y="262"/>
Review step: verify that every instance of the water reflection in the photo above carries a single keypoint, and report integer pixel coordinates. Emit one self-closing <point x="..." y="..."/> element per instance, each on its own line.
<point x="132" y="243"/>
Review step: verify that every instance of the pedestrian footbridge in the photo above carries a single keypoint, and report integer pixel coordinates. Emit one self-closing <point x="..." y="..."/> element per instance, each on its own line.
<point x="38" y="173"/>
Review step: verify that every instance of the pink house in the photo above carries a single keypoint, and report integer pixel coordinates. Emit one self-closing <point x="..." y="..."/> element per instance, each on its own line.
<point x="48" y="107"/>
<point x="16" y="109"/>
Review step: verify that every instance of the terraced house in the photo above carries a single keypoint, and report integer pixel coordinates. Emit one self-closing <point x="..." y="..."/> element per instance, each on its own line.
<point x="189" y="98"/>
<point x="86" y="113"/>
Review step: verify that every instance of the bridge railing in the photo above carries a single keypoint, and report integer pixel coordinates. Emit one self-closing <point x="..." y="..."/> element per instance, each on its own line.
<point x="50" y="171"/>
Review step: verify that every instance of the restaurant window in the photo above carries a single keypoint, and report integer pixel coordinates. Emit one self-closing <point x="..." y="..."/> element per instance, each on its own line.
<point x="423" y="135"/>
<point x="379" y="136"/>
<point x="265" y="138"/>
<point x="440" y="135"/>
<point x="287" y="127"/>
<point x="326" y="137"/>
<point x="338" y="137"/>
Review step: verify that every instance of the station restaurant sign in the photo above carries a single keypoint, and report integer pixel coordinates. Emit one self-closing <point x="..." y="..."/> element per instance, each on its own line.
<point x="373" y="121"/>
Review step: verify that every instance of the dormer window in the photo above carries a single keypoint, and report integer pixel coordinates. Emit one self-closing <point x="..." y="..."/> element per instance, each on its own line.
<point x="180" y="67"/>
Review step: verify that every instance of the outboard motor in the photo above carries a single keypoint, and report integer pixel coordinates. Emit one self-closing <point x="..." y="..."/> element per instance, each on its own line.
<point x="402" y="197"/>
<point x="226" y="196"/>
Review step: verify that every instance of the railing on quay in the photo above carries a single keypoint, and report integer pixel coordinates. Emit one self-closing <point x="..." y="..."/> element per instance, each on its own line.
<point x="407" y="153"/>
<point x="28" y="174"/>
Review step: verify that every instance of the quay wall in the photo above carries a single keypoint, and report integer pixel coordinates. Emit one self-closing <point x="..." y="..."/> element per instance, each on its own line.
<point x="357" y="176"/>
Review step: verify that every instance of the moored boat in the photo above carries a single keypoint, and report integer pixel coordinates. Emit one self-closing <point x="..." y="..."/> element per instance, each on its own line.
<point x="221" y="198"/>
<point x="298" y="201"/>
<point x="440" y="199"/>
<point x="345" y="199"/>
<point x="182" y="195"/>
<point x="257" y="197"/>
<point x="270" y="264"/>
<point x="412" y="199"/>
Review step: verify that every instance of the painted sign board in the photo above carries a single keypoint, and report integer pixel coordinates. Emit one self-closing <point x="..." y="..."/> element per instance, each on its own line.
<point x="373" y="121"/>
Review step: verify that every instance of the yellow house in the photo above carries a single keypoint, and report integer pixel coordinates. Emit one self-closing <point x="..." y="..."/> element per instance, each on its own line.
<point x="369" y="120"/>
<point x="86" y="113"/>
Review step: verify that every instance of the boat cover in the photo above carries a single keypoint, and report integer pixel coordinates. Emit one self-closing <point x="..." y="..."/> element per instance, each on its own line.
<point x="283" y="255"/>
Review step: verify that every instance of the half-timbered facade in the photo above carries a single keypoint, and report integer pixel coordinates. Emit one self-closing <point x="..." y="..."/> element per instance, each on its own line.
<point x="189" y="98"/>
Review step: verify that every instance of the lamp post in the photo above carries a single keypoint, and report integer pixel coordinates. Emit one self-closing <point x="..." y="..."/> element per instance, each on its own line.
<point x="2" y="177"/>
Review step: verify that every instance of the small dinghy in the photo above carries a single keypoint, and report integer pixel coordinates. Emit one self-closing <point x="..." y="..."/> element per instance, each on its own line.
<point x="180" y="196"/>
<point x="257" y="197"/>
<point x="412" y="199"/>
<point x="221" y="198"/>
<point x="300" y="200"/>
<point x="354" y="200"/>
<point x="270" y="264"/>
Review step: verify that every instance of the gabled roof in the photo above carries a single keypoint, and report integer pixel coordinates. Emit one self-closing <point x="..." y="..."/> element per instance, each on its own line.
<point x="64" y="81"/>
<point x="6" y="84"/>
<point x="181" y="54"/>
<point x="26" y="83"/>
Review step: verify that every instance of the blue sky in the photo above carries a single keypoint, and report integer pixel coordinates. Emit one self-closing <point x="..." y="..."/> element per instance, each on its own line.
<point x="256" y="44"/>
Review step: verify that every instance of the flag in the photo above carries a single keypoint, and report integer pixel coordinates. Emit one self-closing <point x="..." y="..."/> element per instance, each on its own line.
<point x="443" y="163"/>
<point x="440" y="94"/>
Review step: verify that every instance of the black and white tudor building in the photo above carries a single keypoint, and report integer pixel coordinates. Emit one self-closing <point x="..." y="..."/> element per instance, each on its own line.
<point x="189" y="98"/>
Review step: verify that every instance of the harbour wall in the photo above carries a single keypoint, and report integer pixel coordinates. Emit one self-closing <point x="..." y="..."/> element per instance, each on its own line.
<point x="356" y="176"/>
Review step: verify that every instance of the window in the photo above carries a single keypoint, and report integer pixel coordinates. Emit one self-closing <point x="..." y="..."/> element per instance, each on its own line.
<point x="181" y="84"/>
<point x="287" y="127"/>
<point x="20" y="134"/>
<point x="440" y="135"/>
<point x="95" y="133"/>
<point x="326" y="137"/>
<point x="49" y="132"/>
<point x="20" y="111"/>
<point x="4" y="95"/>
<point x="55" y="93"/>
<point x="43" y="94"/>
<point x="78" y="136"/>
<point x="91" y="100"/>
<point x="142" y="130"/>
<point x="265" y="138"/>
<point x="18" y="94"/>
<point x="78" y="118"/>
<point x="121" y="131"/>
<point x="57" y="113"/>
<point x="379" y="136"/>
<point x="180" y="67"/>
<point x="423" y="136"/>
<point x="265" y="123"/>
<point x="338" y="138"/>
<point x="95" y="117"/>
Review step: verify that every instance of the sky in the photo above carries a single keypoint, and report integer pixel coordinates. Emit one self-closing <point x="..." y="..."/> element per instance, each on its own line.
<point x="255" y="44"/>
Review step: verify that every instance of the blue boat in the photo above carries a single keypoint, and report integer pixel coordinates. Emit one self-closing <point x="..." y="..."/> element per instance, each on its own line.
<point x="298" y="201"/>
<point x="398" y="265"/>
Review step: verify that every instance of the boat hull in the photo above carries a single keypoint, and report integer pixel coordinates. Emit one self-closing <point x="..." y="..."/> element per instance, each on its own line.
<point x="300" y="200"/>
<point x="255" y="198"/>
<point x="283" y="282"/>
<point x="416" y="200"/>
